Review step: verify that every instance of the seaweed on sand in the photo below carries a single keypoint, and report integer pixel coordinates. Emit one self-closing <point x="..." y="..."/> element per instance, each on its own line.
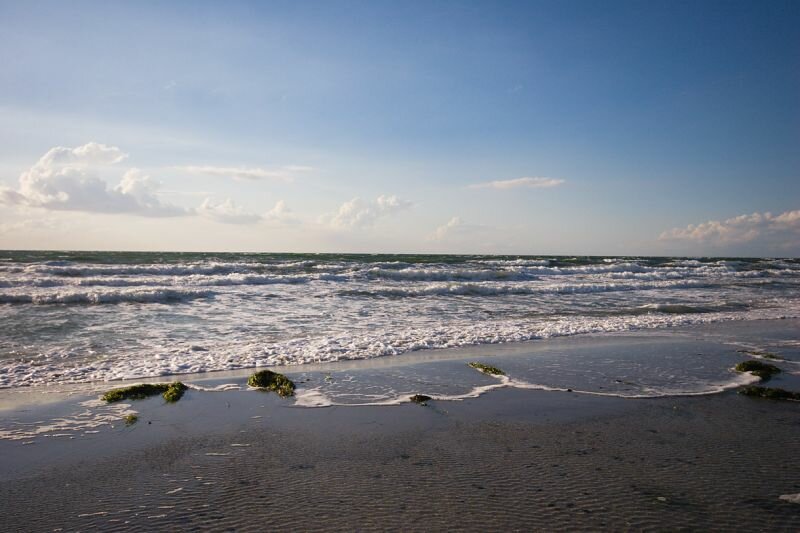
<point x="174" y="392"/>
<point x="171" y="392"/>
<point x="770" y="393"/>
<point x="757" y="368"/>
<point x="487" y="369"/>
<point x="273" y="381"/>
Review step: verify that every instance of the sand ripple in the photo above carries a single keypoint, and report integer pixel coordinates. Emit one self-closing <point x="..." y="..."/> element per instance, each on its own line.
<point x="683" y="464"/>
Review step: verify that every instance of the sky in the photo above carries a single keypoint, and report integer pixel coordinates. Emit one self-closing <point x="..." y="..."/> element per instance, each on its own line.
<point x="569" y="127"/>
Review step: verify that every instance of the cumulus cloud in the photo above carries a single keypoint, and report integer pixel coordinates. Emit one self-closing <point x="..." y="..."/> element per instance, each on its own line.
<point x="528" y="183"/>
<point x="444" y="230"/>
<point x="456" y="230"/>
<point x="358" y="213"/>
<point x="457" y="234"/>
<point x="741" y="229"/>
<point x="227" y="212"/>
<point x="280" y="214"/>
<point x="66" y="179"/>
<point x="285" y="173"/>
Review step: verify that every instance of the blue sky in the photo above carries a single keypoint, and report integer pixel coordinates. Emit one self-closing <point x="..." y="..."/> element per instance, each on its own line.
<point x="532" y="127"/>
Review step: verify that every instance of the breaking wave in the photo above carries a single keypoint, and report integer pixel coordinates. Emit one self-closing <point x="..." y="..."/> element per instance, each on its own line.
<point x="474" y="289"/>
<point x="84" y="316"/>
<point x="105" y="297"/>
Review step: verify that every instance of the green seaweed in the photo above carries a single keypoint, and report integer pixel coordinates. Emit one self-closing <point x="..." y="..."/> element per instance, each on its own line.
<point x="420" y="399"/>
<point x="273" y="381"/>
<point x="487" y="369"/>
<point x="172" y="392"/>
<point x="770" y="393"/>
<point x="757" y="368"/>
<point x="130" y="419"/>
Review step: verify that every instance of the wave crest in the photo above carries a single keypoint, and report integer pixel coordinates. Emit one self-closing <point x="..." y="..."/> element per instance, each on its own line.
<point x="105" y="297"/>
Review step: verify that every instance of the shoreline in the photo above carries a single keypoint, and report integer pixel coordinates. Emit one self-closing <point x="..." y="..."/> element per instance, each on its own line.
<point x="513" y="458"/>
<point x="13" y="397"/>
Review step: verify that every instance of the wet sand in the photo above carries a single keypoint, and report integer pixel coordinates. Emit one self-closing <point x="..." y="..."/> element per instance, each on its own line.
<point x="512" y="459"/>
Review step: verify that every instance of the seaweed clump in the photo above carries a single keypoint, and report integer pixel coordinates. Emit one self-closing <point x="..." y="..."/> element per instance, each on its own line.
<point x="770" y="393"/>
<point x="273" y="381"/>
<point x="130" y="419"/>
<point x="172" y="392"/>
<point x="420" y="399"/>
<point x="487" y="369"/>
<point x="757" y="368"/>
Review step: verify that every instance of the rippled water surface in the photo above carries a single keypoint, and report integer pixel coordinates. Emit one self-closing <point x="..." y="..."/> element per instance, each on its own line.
<point x="82" y="316"/>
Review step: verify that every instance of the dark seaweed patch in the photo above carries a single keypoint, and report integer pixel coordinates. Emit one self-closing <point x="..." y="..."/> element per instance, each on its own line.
<point x="172" y="392"/>
<point x="273" y="381"/>
<point x="757" y="368"/>
<point x="487" y="369"/>
<point x="420" y="399"/>
<point x="770" y="393"/>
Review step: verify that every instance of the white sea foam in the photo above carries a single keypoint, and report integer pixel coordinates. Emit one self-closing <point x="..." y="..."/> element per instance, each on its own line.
<point x="707" y="389"/>
<point x="311" y="398"/>
<point x="157" y="270"/>
<point x="474" y="392"/>
<point x="251" y="310"/>
<point x="72" y="296"/>
<point x="442" y="274"/>
<point x="476" y="289"/>
<point x="227" y="355"/>
<point x="317" y="398"/>
<point x="219" y="388"/>
<point x="85" y="419"/>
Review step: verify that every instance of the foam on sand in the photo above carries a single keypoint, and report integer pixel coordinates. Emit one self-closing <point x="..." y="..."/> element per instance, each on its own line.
<point x="85" y="419"/>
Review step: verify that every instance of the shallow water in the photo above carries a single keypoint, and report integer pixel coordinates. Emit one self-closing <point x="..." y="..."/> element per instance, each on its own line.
<point x="690" y="361"/>
<point x="72" y="317"/>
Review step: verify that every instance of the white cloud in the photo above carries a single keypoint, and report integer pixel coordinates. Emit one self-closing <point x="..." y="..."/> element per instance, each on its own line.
<point x="456" y="229"/>
<point x="226" y="212"/>
<point x="358" y="213"/>
<point x="783" y="229"/>
<point x="285" y="173"/>
<point x="280" y="214"/>
<point x="458" y="235"/>
<point x="445" y="229"/>
<point x="66" y="179"/>
<point x="529" y="183"/>
<point x="91" y="153"/>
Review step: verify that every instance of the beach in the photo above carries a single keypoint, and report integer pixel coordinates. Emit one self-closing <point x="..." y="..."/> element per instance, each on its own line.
<point x="399" y="266"/>
<point x="508" y="458"/>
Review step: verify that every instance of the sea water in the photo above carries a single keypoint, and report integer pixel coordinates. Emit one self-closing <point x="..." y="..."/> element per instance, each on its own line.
<point x="83" y="317"/>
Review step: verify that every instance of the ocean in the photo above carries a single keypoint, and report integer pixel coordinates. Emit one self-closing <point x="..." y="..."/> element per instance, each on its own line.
<point x="86" y="317"/>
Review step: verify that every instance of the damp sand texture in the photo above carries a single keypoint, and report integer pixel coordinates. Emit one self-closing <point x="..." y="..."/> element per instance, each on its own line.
<point x="525" y="460"/>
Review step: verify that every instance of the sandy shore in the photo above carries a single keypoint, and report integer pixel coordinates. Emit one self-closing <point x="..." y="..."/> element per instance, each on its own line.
<point x="511" y="459"/>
